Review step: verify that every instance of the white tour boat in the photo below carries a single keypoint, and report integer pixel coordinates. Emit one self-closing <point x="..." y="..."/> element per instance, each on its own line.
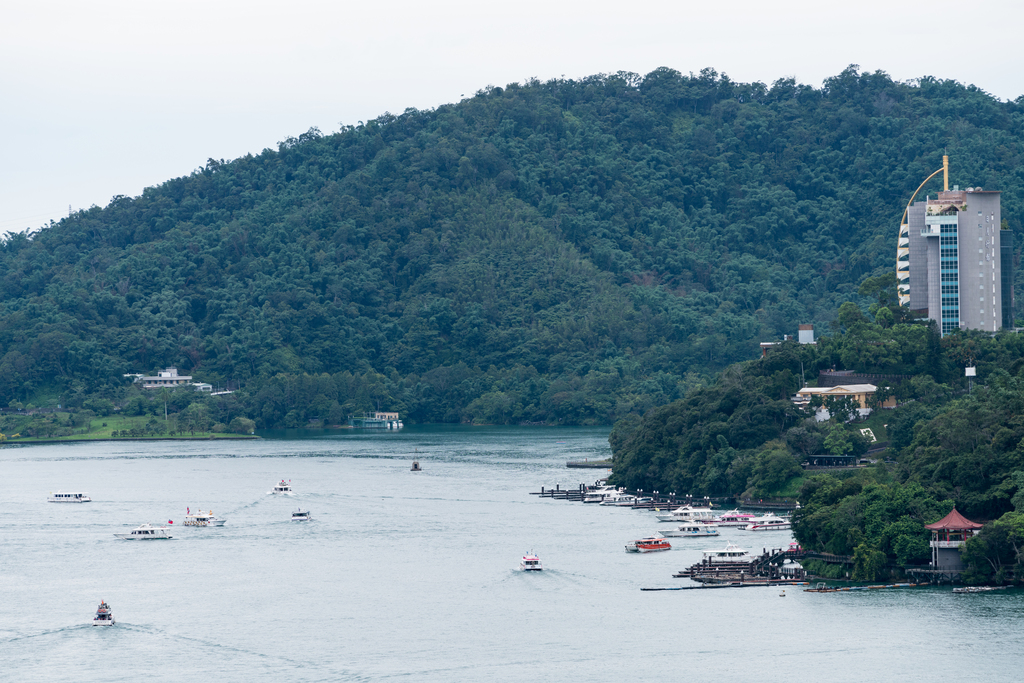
<point x="200" y="518"/>
<point x="530" y="563"/>
<point x="284" y="488"/>
<point x="769" y="523"/>
<point x="61" y="497"/>
<point x="688" y="513"/>
<point x="730" y="553"/>
<point x="691" y="529"/>
<point x="618" y="498"/>
<point x="599" y="494"/>
<point x="301" y="515"/>
<point x="146" y="532"/>
<point x="734" y="518"/>
<point x="104" y="616"/>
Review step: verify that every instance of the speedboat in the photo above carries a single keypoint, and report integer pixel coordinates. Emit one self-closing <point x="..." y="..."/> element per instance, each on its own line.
<point x="688" y="513"/>
<point x="692" y="529"/>
<point x="734" y="518"/>
<point x="530" y="563"/>
<point x="731" y="553"/>
<point x="200" y="518"/>
<point x="284" y="488"/>
<point x="146" y="532"/>
<point x="60" y="497"/>
<point x="648" y="545"/>
<point x="769" y="523"/>
<point x="104" y="616"/>
<point x="301" y="515"/>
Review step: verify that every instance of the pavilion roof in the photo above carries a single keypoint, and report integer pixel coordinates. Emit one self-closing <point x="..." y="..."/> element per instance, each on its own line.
<point x="953" y="521"/>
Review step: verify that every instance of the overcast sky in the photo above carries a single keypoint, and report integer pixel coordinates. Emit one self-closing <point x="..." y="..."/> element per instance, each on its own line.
<point x="103" y="98"/>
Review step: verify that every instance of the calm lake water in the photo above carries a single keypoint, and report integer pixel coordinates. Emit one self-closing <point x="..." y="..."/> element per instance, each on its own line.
<point x="411" y="576"/>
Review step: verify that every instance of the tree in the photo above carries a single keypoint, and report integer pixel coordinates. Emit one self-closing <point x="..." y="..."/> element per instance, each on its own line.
<point x="837" y="441"/>
<point x="195" y="418"/>
<point x="242" y="425"/>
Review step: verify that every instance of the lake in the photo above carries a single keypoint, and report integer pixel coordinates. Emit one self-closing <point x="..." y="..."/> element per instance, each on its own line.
<point x="412" y="575"/>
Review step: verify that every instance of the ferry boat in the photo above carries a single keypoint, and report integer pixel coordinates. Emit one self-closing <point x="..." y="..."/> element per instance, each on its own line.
<point x="734" y="518"/>
<point x="284" y="488"/>
<point x="200" y="518"/>
<point x="730" y="553"/>
<point x="688" y="513"/>
<point x="104" y="616"/>
<point x="376" y="420"/>
<point x="301" y="515"/>
<point x="692" y="529"/>
<point x="61" y="497"/>
<point x="530" y="563"/>
<point x="146" y="532"/>
<point x="769" y="523"/>
<point x="648" y="545"/>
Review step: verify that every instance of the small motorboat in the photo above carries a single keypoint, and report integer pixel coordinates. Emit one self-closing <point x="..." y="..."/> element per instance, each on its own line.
<point x="530" y="563"/>
<point x="691" y="529"/>
<point x="416" y="466"/>
<point x="104" y="616"/>
<point x="648" y="545"/>
<point x="200" y="518"/>
<point x="284" y="488"/>
<point x="301" y="515"/>
<point x="146" y="532"/>
<point x="61" y="497"/>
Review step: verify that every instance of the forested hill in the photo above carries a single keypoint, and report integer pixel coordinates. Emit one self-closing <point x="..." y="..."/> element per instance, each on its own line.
<point x="571" y="251"/>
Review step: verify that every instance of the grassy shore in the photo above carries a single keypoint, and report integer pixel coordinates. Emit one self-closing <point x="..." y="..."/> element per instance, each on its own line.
<point x="104" y="428"/>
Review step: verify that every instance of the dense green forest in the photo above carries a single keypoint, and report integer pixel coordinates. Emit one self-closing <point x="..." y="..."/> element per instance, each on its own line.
<point x="949" y="443"/>
<point x="570" y="251"/>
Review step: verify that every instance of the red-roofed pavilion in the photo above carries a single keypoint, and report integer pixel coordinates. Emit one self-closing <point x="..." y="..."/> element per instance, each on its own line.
<point x="948" y="534"/>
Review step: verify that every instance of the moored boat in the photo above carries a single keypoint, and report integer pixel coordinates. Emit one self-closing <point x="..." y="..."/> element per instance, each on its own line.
<point x="146" y="532"/>
<point x="530" y="563"/>
<point x="688" y="513"/>
<point x="734" y="518"/>
<point x="648" y="545"/>
<point x="618" y="498"/>
<point x="61" y="497"/>
<point x="104" y="615"/>
<point x="598" y="494"/>
<point x="769" y="522"/>
<point x="691" y="530"/>
<point x="730" y="553"/>
<point x="200" y="518"/>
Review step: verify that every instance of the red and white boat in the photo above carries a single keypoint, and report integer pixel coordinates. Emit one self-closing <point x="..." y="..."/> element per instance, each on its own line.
<point x="104" y="616"/>
<point x="648" y="545"/>
<point x="530" y="563"/>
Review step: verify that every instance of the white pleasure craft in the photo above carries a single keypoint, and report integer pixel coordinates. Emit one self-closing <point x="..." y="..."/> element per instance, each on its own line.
<point x="301" y="515"/>
<point x="200" y="518"/>
<point x="104" y="616"/>
<point x="691" y="529"/>
<point x="284" y="488"/>
<point x="688" y="513"/>
<point x="730" y="553"/>
<point x="146" y="532"/>
<point x="530" y="563"/>
<point x="769" y="523"/>
<point x="60" y="497"/>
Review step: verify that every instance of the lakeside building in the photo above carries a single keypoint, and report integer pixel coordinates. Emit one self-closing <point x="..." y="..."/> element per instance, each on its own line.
<point x="164" y="379"/>
<point x="949" y="535"/>
<point x="954" y="263"/>
<point x="860" y="393"/>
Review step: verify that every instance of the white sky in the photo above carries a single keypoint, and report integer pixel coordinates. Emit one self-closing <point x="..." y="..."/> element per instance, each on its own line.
<point x="106" y="97"/>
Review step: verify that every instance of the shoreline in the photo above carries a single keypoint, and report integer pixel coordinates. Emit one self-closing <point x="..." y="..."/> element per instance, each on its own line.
<point x="23" y="442"/>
